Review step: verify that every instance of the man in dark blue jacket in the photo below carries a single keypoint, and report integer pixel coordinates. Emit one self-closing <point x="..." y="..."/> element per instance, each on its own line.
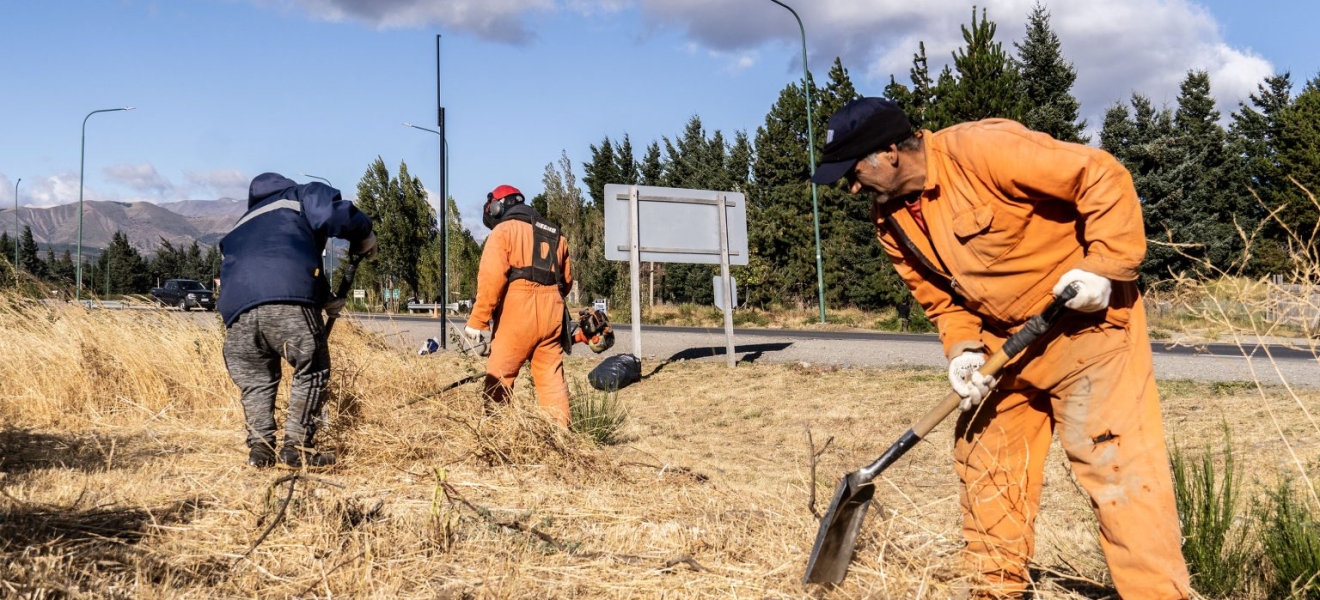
<point x="273" y="291"/>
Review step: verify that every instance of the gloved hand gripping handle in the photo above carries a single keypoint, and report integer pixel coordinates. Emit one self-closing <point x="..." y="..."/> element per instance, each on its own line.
<point x="1034" y="328"/>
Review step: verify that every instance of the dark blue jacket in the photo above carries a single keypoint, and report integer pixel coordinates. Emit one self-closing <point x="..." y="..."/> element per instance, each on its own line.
<point x="273" y="254"/>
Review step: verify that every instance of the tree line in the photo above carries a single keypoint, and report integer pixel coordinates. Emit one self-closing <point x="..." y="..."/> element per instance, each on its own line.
<point x="1208" y="190"/>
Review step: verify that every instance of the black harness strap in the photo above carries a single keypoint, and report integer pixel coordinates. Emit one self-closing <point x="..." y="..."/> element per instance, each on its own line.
<point x="544" y="269"/>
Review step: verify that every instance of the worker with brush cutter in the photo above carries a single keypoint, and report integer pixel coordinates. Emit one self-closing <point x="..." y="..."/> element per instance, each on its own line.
<point x="985" y="221"/>
<point x="521" y="283"/>
<point x="275" y="291"/>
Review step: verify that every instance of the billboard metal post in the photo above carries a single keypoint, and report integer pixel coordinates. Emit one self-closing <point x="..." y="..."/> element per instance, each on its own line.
<point x="724" y="277"/>
<point x="635" y="250"/>
<point x="679" y="228"/>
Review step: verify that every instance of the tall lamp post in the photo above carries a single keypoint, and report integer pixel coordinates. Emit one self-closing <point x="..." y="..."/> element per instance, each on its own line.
<point x="444" y="233"/>
<point x="20" y="180"/>
<point x="82" y="163"/>
<point x="811" y="154"/>
<point x="324" y="251"/>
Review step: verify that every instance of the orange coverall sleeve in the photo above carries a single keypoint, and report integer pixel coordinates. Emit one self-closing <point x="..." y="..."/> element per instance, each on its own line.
<point x="1025" y="164"/>
<point x="960" y="329"/>
<point x="568" y="269"/>
<point x="492" y="278"/>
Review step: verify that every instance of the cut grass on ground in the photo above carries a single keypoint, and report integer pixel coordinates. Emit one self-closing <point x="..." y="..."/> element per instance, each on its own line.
<point x="123" y="477"/>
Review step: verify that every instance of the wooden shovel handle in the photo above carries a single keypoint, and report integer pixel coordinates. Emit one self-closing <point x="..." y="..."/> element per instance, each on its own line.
<point x="1035" y="327"/>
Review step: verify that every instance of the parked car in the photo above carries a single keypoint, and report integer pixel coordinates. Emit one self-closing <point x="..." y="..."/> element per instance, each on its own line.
<point x="185" y="294"/>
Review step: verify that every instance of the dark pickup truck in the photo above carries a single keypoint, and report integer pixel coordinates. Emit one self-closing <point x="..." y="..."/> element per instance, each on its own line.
<point x="185" y="294"/>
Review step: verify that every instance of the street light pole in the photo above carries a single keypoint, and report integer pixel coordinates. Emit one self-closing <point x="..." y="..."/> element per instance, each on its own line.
<point x="811" y="154"/>
<point x="327" y="181"/>
<point x="82" y="163"/>
<point x="444" y="232"/>
<point x="20" y="180"/>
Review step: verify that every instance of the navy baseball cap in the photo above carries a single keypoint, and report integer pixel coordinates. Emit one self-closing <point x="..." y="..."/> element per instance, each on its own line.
<point x="860" y="128"/>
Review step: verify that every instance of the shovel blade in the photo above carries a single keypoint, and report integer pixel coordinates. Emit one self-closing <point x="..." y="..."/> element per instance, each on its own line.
<point x="837" y="535"/>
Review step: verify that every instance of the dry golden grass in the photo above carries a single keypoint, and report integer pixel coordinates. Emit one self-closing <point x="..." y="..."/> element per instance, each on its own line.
<point x="123" y="475"/>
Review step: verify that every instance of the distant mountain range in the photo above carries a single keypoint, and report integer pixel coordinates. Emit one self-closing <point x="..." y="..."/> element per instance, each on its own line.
<point x="145" y="224"/>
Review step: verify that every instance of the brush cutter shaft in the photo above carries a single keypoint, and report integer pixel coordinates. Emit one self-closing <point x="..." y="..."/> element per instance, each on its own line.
<point x="345" y="284"/>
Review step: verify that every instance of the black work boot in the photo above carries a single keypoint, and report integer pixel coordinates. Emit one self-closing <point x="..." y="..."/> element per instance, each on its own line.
<point x="297" y="457"/>
<point x="261" y="455"/>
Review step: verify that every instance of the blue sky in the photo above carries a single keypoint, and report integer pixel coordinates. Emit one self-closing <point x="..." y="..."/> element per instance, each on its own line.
<point x="227" y="89"/>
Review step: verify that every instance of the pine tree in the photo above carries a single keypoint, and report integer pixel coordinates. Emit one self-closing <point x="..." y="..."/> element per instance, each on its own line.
<point x="626" y="167"/>
<point x="987" y="84"/>
<point x="128" y="272"/>
<point x="781" y="240"/>
<point x="1046" y="79"/>
<point x="601" y="171"/>
<point x="916" y="102"/>
<point x="652" y="170"/>
<point x="28" y="259"/>
<point x="1299" y="157"/>
<point x="1258" y="178"/>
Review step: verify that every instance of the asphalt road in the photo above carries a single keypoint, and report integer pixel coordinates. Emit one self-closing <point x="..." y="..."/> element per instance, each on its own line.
<point x="1271" y="364"/>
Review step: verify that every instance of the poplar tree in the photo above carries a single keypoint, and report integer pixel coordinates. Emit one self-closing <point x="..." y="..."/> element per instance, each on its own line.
<point x="1045" y="81"/>
<point x="403" y="222"/>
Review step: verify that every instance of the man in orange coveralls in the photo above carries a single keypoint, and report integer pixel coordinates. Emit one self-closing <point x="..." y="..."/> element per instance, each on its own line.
<point x="985" y="221"/>
<point x="521" y="284"/>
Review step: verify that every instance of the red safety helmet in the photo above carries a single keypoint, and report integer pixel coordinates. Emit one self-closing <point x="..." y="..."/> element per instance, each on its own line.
<point x="504" y="191"/>
<point x="497" y="201"/>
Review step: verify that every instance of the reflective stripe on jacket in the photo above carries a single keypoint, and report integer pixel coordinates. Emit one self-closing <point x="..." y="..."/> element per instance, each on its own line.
<point x="273" y="254"/>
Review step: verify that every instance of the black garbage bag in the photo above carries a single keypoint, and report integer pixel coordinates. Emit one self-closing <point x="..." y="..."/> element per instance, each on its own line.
<point x="616" y="372"/>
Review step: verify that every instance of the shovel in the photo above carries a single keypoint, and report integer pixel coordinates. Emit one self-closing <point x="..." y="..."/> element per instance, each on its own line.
<point x="839" y="527"/>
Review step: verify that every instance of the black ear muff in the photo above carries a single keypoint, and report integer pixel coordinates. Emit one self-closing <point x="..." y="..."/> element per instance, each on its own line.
<point x="493" y="212"/>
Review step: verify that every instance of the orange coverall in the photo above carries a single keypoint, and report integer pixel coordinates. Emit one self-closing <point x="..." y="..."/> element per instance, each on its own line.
<point x="1007" y="212"/>
<point x="529" y="318"/>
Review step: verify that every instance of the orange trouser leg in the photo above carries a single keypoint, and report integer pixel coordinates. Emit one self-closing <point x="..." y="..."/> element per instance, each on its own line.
<point x="999" y="456"/>
<point x="1108" y="419"/>
<point x="548" y="375"/>
<point x="1099" y="391"/>
<point x="530" y="323"/>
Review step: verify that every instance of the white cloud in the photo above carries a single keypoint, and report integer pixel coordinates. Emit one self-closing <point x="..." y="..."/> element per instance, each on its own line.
<point x="44" y="192"/>
<point x="217" y="183"/>
<point x="141" y="178"/>
<point x="499" y="20"/>
<point x="1119" y="46"/>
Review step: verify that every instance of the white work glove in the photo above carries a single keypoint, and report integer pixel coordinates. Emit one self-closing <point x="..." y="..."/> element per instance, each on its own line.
<point x="334" y="307"/>
<point x="1092" y="291"/>
<point x="967" y="381"/>
<point x="365" y="247"/>
<point x="473" y="336"/>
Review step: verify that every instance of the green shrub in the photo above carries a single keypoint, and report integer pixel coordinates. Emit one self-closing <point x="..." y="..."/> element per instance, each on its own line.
<point x="750" y="317"/>
<point x="596" y="414"/>
<point x="1290" y="535"/>
<point x="1207" y="507"/>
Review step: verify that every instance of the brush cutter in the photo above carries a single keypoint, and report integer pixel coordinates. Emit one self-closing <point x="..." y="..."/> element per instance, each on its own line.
<point x="345" y="285"/>
<point x="837" y="535"/>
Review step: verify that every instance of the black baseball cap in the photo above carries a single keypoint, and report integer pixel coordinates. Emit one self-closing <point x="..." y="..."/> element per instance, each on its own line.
<point x="860" y="128"/>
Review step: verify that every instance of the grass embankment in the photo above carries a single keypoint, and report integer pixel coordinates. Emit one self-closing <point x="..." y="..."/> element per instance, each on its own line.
<point x="123" y="475"/>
